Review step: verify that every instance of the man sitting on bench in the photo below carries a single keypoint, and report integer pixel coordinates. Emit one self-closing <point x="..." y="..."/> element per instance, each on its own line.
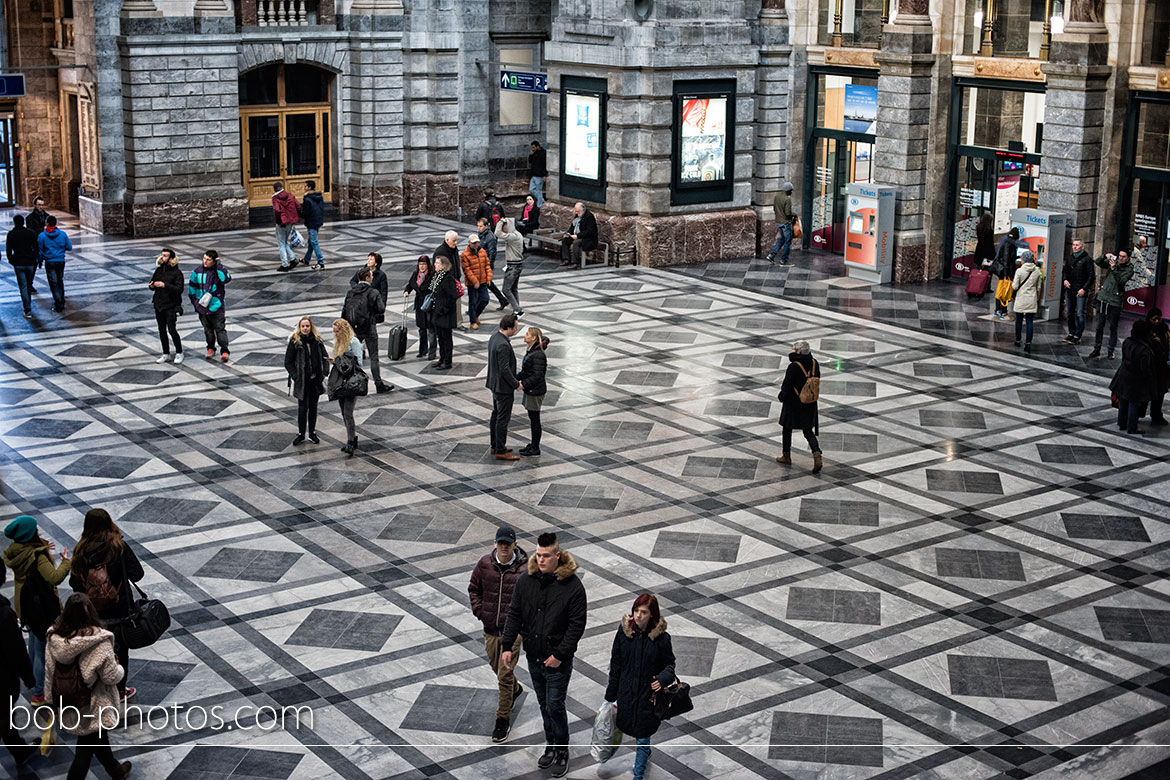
<point x="580" y="237"/>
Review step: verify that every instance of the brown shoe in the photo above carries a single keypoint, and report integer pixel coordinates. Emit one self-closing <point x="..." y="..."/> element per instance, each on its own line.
<point x="506" y="456"/>
<point x="125" y="767"/>
<point x="784" y="460"/>
<point x="817" y="463"/>
<point x="1095" y="353"/>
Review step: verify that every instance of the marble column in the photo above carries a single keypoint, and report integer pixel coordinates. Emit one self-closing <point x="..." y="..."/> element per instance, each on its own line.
<point x="1074" y="119"/>
<point x="773" y="161"/>
<point x="903" y="132"/>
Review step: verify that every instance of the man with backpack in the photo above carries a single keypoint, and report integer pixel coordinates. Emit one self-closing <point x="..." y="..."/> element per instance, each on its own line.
<point x="490" y="208"/>
<point x="799" y="394"/>
<point x="363" y="305"/>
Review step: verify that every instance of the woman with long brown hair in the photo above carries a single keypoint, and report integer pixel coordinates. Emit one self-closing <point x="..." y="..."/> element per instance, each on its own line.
<point x="103" y="568"/>
<point x="307" y="364"/>
<point x="79" y="637"/>
<point x="29" y="556"/>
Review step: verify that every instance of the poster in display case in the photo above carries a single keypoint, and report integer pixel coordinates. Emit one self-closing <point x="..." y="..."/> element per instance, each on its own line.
<point x="704" y="141"/>
<point x="583" y="124"/>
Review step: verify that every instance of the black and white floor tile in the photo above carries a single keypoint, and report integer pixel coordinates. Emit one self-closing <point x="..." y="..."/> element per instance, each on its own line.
<point x="972" y="588"/>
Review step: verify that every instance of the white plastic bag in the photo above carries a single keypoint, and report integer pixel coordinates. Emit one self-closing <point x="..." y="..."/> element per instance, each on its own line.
<point x="295" y="239"/>
<point x="606" y="736"/>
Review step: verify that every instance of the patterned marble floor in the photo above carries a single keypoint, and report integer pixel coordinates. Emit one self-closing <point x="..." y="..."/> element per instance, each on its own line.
<point x="973" y="588"/>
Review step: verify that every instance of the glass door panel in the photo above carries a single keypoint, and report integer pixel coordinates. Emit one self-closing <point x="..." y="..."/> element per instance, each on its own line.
<point x="301" y="144"/>
<point x="263" y="134"/>
<point x="976" y="197"/>
<point x="1148" y="226"/>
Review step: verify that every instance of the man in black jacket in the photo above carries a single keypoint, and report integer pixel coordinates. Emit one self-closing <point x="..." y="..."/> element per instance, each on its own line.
<point x="363" y="305"/>
<point x="1079" y="275"/>
<point x="17" y="668"/>
<point x="549" y="609"/>
<point x="450" y="250"/>
<point x="580" y="237"/>
<point x="537" y="170"/>
<point x="313" y="215"/>
<point x="37" y="218"/>
<point x="502" y="381"/>
<point x="22" y="251"/>
<point x="490" y="208"/>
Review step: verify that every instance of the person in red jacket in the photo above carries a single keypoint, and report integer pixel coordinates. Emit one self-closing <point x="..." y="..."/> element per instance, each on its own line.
<point x="287" y="212"/>
<point x="492" y="583"/>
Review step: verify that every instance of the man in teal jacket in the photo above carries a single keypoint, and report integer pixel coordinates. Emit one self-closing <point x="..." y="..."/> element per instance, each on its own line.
<point x="206" y="291"/>
<point x="52" y="244"/>
<point x="1109" y="297"/>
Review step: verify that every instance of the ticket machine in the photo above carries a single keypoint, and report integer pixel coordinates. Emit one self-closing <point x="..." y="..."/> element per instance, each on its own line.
<point x="869" y="232"/>
<point x="1043" y="232"/>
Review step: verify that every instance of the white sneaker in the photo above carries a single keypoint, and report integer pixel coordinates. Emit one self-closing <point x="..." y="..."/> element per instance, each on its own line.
<point x="166" y="358"/>
<point x="178" y="358"/>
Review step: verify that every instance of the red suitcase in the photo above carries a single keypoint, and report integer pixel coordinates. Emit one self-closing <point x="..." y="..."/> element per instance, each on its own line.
<point x="978" y="283"/>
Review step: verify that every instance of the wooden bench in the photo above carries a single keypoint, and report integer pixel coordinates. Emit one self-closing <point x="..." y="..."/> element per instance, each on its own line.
<point x="551" y="236"/>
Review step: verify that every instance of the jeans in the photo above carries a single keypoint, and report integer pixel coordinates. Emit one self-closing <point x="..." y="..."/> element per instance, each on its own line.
<point x="90" y="746"/>
<point x="443" y="336"/>
<point x="25" y="276"/>
<point x="1029" y="318"/>
<point x="287" y="258"/>
<point x="512" y="286"/>
<point x="36" y="654"/>
<point x="371" y="343"/>
<point x="809" y="436"/>
<point x="477" y="301"/>
<point x="215" y="327"/>
<point x="552" y="686"/>
<point x="641" y="757"/>
<point x="1075" y="306"/>
<point x="1128" y="414"/>
<point x="314" y="246"/>
<point x="56" y="274"/>
<point x="501" y="416"/>
<point x="534" y="424"/>
<point x="536" y="187"/>
<point x="307" y="413"/>
<point x="346" y="405"/>
<point x="504" y="675"/>
<point x="783" y="243"/>
<point x="168" y="322"/>
<point x="1113" y="315"/>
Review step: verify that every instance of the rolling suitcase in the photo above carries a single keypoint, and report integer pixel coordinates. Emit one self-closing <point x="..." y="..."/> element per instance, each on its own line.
<point x="396" y="350"/>
<point x="978" y="283"/>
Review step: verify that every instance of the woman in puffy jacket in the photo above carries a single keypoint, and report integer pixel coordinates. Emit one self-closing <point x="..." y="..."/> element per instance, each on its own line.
<point x="640" y="664"/>
<point x="307" y="364"/>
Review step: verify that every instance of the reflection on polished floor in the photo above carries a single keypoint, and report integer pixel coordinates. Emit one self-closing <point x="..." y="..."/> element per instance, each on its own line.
<point x="972" y="588"/>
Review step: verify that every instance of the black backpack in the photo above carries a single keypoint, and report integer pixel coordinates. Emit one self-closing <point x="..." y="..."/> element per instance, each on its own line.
<point x="356" y="311"/>
<point x="39" y="605"/>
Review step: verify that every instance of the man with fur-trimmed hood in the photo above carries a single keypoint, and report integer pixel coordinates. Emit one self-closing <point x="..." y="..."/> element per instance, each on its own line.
<point x="549" y="610"/>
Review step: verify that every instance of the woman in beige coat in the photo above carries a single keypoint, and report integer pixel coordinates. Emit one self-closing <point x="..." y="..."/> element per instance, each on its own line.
<point x="1026" y="285"/>
<point x="79" y="638"/>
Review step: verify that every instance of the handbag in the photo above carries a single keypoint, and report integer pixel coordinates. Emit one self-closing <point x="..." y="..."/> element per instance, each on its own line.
<point x="674" y="699"/>
<point x="1003" y="291"/>
<point x="149" y="621"/>
<point x="428" y="303"/>
<point x="460" y="289"/>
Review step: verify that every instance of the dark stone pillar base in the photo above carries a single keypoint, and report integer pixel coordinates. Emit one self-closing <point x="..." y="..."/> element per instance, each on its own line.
<point x="108" y="218"/>
<point x="362" y="201"/>
<point x="191" y="216"/>
<point x="426" y="193"/>
<point x="910" y="257"/>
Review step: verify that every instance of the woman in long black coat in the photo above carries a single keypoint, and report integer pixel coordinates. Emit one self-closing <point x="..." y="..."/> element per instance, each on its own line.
<point x="794" y="413"/>
<point x="419" y="284"/>
<point x="641" y="662"/>
<point x="443" y="312"/>
<point x="984" y="242"/>
<point x="533" y="367"/>
<point x="307" y="362"/>
<point x="1134" y="383"/>
<point x="1160" y="343"/>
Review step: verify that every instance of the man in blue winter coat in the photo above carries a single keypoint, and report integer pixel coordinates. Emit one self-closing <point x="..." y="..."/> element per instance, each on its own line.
<point x="52" y="244"/>
<point x="313" y="215"/>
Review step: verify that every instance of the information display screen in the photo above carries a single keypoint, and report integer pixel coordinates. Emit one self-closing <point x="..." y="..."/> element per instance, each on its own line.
<point x="582" y="135"/>
<point x="704" y="140"/>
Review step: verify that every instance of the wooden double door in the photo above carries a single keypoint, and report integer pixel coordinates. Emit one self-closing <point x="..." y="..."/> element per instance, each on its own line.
<point x="289" y="145"/>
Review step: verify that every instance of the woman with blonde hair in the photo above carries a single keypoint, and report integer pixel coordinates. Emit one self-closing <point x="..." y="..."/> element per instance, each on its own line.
<point x="168" y="285"/>
<point x="531" y="376"/>
<point x="347" y="361"/>
<point x="307" y="364"/>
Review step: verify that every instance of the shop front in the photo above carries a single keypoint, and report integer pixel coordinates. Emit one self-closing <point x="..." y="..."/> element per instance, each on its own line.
<point x="840" y="120"/>
<point x="1144" y="207"/>
<point x="994" y="145"/>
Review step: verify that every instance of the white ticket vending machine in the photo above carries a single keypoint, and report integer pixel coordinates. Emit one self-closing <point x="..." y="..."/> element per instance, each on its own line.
<point x="1043" y="232"/>
<point x="869" y="232"/>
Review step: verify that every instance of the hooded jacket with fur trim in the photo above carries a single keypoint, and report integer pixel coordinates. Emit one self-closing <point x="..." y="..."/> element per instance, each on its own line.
<point x="549" y="610"/>
<point x="637" y="658"/>
<point x="100" y="672"/>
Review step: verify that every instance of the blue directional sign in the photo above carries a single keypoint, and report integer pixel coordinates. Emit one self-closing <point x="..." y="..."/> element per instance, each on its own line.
<point x="518" y="81"/>
<point x="12" y="85"/>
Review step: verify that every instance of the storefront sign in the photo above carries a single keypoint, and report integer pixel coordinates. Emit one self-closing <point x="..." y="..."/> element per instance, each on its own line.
<point x="974" y="199"/>
<point x="860" y="108"/>
<point x="704" y="140"/>
<point x="1145" y="225"/>
<point x="582" y="131"/>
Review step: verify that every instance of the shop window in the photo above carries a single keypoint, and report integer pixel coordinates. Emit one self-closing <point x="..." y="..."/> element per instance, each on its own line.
<point x="860" y="22"/>
<point x="1156" y="34"/>
<point x="703" y="153"/>
<point x="1001" y="118"/>
<point x="1153" y="135"/>
<point x="846" y="102"/>
<point x="1016" y="26"/>
<point x="583" y="126"/>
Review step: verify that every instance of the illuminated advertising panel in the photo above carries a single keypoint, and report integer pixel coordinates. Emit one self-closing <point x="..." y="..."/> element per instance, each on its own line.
<point x="583" y="135"/>
<point x="702" y="159"/>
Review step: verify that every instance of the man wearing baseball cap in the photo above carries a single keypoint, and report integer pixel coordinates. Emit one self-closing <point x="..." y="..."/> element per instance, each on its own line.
<point x="477" y="274"/>
<point x="490" y="590"/>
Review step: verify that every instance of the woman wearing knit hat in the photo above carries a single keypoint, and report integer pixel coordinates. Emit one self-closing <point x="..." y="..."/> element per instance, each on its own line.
<point x="30" y="556"/>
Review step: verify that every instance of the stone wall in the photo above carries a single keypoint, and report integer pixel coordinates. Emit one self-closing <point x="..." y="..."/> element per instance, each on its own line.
<point x="38" y="121"/>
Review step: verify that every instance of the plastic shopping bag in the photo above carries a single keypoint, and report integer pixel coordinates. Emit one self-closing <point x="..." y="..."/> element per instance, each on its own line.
<point x="606" y="736"/>
<point x="295" y="239"/>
